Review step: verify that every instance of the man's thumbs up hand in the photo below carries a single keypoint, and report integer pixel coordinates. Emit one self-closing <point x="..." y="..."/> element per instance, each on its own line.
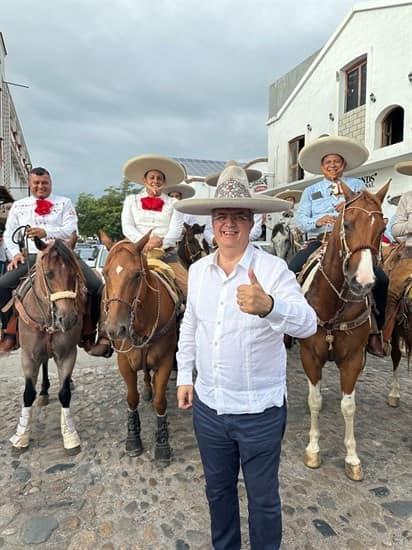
<point x="252" y="298"/>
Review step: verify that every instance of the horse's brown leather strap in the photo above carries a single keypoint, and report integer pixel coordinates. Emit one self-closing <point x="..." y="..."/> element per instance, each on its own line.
<point x="25" y="317"/>
<point x="346" y="326"/>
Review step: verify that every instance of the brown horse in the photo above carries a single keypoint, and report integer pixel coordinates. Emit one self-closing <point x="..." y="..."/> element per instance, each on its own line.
<point x="193" y="245"/>
<point x="339" y="294"/>
<point x="398" y="328"/>
<point x="141" y="322"/>
<point x="50" y="324"/>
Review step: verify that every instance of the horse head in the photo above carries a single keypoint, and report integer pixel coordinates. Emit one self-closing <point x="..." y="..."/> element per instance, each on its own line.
<point x="191" y="247"/>
<point x="281" y="240"/>
<point x="357" y="233"/>
<point x="60" y="281"/>
<point x="125" y="273"/>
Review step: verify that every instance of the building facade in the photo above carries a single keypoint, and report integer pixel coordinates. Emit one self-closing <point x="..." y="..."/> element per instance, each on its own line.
<point x="358" y="85"/>
<point x="14" y="156"/>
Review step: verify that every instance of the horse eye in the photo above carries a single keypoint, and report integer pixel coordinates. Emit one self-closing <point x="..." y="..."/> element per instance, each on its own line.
<point x="347" y="225"/>
<point x="49" y="274"/>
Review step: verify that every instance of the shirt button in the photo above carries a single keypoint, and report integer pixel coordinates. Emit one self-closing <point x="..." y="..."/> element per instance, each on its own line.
<point x="219" y="322"/>
<point x="222" y="303"/>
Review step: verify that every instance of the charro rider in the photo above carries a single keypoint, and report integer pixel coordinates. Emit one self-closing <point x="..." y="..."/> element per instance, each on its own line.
<point x="286" y="218"/>
<point x="321" y="203"/>
<point x="401" y="273"/>
<point x="49" y="216"/>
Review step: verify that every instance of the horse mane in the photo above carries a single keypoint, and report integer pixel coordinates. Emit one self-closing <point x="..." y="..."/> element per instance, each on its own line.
<point x="68" y="256"/>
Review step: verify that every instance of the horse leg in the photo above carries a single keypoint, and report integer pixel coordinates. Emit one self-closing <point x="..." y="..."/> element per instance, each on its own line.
<point x="312" y="452"/>
<point x="394" y="390"/>
<point x="43" y="398"/>
<point x="162" y="450"/>
<point x="349" y="374"/>
<point x="71" y="439"/>
<point x="21" y="439"/>
<point x="147" y="393"/>
<point x="134" y="445"/>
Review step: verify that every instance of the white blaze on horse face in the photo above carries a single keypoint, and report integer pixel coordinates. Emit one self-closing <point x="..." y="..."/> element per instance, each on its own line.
<point x="364" y="273"/>
<point x="119" y="269"/>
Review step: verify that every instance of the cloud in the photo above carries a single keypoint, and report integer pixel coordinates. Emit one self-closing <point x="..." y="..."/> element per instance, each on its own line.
<point x="117" y="78"/>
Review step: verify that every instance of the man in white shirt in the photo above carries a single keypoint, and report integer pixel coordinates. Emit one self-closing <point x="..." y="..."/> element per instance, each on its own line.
<point x="241" y="301"/>
<point x="49" y="216"/>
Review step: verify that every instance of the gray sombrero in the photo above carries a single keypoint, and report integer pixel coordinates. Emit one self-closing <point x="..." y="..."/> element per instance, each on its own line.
<point x="295" y="193"/>
<point x="184" y="189"/>
<point x="252" y="175"/>
<point x="404" y="168"/>
<point x="232" y="191"/>
<point x="311" y="155"/>
<point x="394" y="200"/>
<point x="136" y="167"/>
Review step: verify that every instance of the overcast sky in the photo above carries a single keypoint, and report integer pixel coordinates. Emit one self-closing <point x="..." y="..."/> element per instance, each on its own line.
<point x="110" y="79"/>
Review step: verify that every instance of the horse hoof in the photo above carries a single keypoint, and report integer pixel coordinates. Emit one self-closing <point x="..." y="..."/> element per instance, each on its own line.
<point x="312" y="460"/>
<point x="162" y="453"/>
<point x="134" y="447"/>
<point x="393" y="401"/>
<point x="73" y="451"/>
<point x="147" y="394"/>
<point x="354" y="472"/>
<point x="43" y="400"/>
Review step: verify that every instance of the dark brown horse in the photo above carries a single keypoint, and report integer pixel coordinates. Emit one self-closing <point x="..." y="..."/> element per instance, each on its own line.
<point x="193" y="245"/>
<point x="141" y="322"/>
<point x="340" y="294"/>
<point x="398" y="328"/>
<point x="50" y="324"/>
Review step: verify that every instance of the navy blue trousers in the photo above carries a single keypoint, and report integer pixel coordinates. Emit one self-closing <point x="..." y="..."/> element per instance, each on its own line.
<point x="252" y="441"/>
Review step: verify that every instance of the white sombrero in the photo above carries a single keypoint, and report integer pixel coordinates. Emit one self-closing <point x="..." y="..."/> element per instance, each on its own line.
<point x="295" y="193"/>
<point x="404" y="168"/>
<point x="252" y="175"/>
<point x="136" y="168"/>
<point x="184" y="189"/>
<point x="232" y="191"/>
<point x="311" y="156"/>
<point x="394" y="200"/>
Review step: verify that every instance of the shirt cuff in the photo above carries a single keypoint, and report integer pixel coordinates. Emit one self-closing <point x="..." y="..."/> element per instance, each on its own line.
<point x="184" y="377"/>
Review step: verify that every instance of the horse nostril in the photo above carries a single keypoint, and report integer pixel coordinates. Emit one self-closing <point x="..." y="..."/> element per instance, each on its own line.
<point x="122" y="332"/>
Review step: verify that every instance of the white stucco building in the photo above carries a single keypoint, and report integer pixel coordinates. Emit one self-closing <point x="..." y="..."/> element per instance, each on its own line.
<point x="14" y="156"/>
<point x="358" y="85"/>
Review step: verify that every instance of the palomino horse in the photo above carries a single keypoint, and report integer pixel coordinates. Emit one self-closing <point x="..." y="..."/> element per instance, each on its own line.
<point x="398" y="267"/>
<point x="50" y="325"/>
<point x="193" y="245"/>
<point x="141" y="322"/>
<point x="339" y="294"/>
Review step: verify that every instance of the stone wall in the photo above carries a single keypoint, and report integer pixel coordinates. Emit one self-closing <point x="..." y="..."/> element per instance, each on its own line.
<point x="352" y="124"/>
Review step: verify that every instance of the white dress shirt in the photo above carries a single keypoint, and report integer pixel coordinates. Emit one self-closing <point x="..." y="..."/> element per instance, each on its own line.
<point x="136" y="222"/>
<point x="240" y="358"/>
<point x="59" y="224"/>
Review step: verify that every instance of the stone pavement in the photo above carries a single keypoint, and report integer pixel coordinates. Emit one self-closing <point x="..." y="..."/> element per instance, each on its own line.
<point x="103" y="499"/>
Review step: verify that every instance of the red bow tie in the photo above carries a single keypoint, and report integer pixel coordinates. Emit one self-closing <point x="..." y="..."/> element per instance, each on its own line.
<point x="43" y="207"/>
<point x="152" y="203"/>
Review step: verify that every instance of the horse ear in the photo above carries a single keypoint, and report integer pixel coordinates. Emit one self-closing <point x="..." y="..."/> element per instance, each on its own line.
<point x="203" y="227"/>
<point x="383" y="190"/>
<point x="186" y="225"/>
<point x="73" y="240"/>
<point x="347" y="191"/>
<point x="40" y="245"/>
<point x="143" y="241"/>
<point x="105" y="239"/>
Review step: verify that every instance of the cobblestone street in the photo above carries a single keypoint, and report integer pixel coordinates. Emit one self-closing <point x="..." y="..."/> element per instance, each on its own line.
<point x="103" y="499"/>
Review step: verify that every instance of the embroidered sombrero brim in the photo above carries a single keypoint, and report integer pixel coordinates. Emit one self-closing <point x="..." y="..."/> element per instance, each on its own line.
<point x="295" y="193"/>
<point x="184" y="189"/>
<point x="252" y="175"/>
<point x="135" y="168"/>
<point x="311" y="155"/>
<point x="258" y="205"/>
<point x="404" y="168"/>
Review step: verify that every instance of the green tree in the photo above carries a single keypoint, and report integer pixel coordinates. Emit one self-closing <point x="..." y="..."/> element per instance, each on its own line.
<point x="103" y="212"/>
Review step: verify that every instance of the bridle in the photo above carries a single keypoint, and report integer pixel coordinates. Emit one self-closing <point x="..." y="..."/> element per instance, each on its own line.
<point x="193" y="256"/>
<point x="346" y="252"/>
<point x="138" y="341"/>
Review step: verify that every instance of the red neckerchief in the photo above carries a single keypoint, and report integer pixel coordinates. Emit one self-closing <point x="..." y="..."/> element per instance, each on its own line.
<point x="43" y="207"/>
<point x="152" y="203"/>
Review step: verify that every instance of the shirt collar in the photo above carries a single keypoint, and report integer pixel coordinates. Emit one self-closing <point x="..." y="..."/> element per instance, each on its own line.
<point x="244" y="262"/>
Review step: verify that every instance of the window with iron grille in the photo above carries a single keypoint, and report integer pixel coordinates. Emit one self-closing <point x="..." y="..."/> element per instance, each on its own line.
<point x="355" y="85"/>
